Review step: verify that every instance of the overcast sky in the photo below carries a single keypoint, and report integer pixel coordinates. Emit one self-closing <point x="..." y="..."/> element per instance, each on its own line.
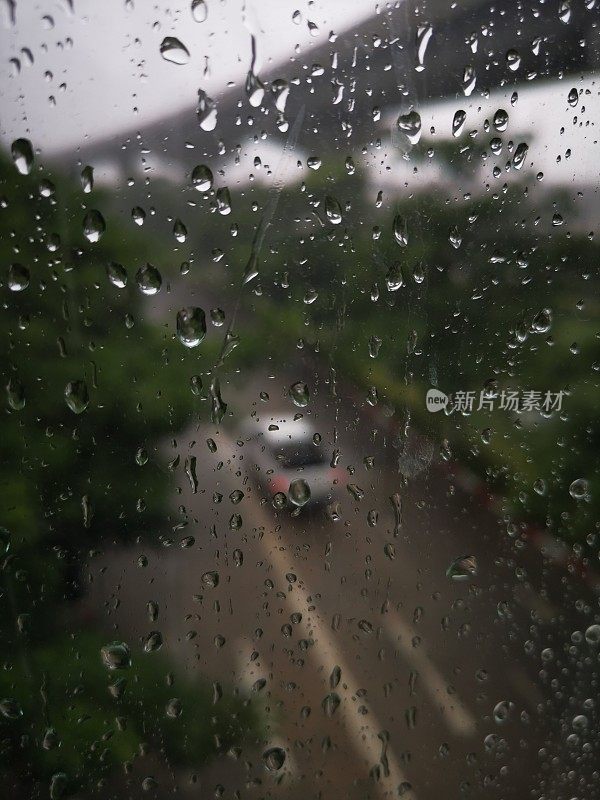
<point x="101" y="60"/>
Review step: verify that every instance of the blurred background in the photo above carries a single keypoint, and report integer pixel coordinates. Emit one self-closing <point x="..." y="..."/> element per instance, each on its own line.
<point x="240" y="555"/>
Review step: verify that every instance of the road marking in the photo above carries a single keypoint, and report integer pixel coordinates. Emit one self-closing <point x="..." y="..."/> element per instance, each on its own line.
<point x="326" y="655"/>
<point x="458" y="718"/>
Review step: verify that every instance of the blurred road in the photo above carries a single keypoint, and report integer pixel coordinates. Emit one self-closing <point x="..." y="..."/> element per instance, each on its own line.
<point x="378" y="675"/>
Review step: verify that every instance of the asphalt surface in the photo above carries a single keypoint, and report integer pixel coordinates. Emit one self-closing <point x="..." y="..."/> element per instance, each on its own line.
<point x="382" y="676"/>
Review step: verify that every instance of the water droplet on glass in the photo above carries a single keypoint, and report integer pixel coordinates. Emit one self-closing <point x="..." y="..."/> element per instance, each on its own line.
<point x="579" y="489"/>
<point x="117" y="275"/>
<point x="458" y="122"/>
<point x="199" y="10"/>
<point x="500" y="121"/>
<point x="15" y="395"/>
<point x="207" y="111"/>
<point x="93" y="226"/>
<point x="424" y="32"/>
<point x="218" y="407"/>
<point x="513" y="60"/>
<point x="116" y="656"/>
<point x="469" y="79"/>
<point x="171" y="49"/>
<point x="191" y="326"/>
<point x="153" y="642"/>
<point x="573" y="97"/>
<point x="542" y="322"/>
<point x="299" y="394"/>
<point x="202" y="178"/>
<point x="520" y="155"/>
<point x="22" y="155"/>
<point x="592" y="635"/>
<point x="410" y="125"/>
<point x="174" y="708"/>
<point x="18" y="277"/>
<point x="279" y="500"/>
<point x="274" y="758"/>
<point x="502" y="711"/>
<point x="87" y="179"/>
<point x="299" y="492"/>
<point x="333" y="210"/>
<point x="148" y="279"/>
<point x="564" y="11"/>
<point x="400" y="231"/>
<point x="255" y="89"/>
<point x="462" y="568"/>
<point x="223" y="201"/>
<point x="330" y="704"/>
<point x="281" y="90"/>
<point x="76" y="396"/>
<point x="210" y="579"/>
<point x="58" y="785"/>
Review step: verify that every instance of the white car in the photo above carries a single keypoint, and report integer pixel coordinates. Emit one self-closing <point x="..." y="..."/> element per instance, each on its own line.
<point x="280" y="450"/>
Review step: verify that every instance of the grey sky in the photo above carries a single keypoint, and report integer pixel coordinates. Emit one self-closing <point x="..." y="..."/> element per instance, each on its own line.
<point x="101" y="62"/>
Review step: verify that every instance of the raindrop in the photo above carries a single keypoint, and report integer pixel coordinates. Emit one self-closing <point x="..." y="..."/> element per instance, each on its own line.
<point x="424" y="32"/>
<point x="469" y="79"/>
<point x="153" y="642"/>
<point x="202" y="178"/>
<point x="333" y="210"/>
<point x="18" y="277"/>
<point x="171" y="49"/>
<point x="542" y="322"/>
<point x="199" y="10"/>
<point x="223" y="201"/>
<point x="579" y="489"/>
<point x="500" y="121"/>
<point x="281" y="90"/>
<point x="191" y="326"/>
<point x="274" y="758"/>
<point x="255" y="89"/>
<point x="564" y="11"/>
<point x="93" y="226"/>
<point x="299" y="394"/>
<point x="207" y="111"/>
<point x="513" y="60"/>
<point x="174" y="708"/>
<point x="22" y="155"/>
<point x="210" y="579"/>
<point x="458" y="122"/>
<point x="330" y="704"/>
<point x="148" y="279"/>
<point x="87" y="179"/>
<point x="117" y="275"/>
<point x="573" y="97"/>
<point x="138" y="215"/>
<point x="15" y="395"/>
<point x="410" y="125"/>
<point x="10" y="708"/>
<point x="462" y="568"/>
<point x="116" y="656"/>
<point x="76" y="396"/>
<point x="58" y="785"/>
<point x="520" y="155"/>
<point x="400" y="232"/>
<point x="218" y="407"/>
<point x="592" y="635"/>
<point x="502" y="711"/>
<point x="299" y="492"/>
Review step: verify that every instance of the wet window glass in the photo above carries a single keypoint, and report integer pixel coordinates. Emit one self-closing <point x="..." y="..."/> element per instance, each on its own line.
<point x="300" y="391"/>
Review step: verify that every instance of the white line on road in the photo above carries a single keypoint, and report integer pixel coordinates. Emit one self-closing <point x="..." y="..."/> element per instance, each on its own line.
<point x="458" y="718"/>
<point x="326" y="654"/>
